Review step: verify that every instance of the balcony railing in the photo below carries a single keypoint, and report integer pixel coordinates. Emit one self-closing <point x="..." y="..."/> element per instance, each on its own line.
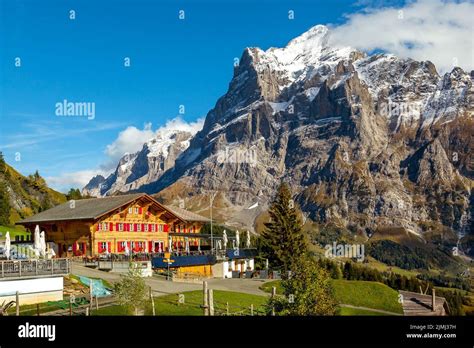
<point x="33" y="268"/>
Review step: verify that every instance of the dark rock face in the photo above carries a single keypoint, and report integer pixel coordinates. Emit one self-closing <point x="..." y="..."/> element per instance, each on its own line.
<point x="368" y="141"/>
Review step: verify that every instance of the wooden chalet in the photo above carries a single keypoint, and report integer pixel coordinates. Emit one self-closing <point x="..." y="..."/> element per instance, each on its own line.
<point x="137" y="222"/>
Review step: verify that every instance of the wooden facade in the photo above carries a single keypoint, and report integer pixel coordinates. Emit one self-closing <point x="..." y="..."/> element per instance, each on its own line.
<point x="139" y="223"/>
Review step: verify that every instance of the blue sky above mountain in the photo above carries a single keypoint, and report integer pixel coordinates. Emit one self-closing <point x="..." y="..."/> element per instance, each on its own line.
<point x="173" y="63"/>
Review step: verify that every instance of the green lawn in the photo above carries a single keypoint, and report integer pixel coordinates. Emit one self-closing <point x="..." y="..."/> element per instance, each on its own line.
<point x="239" y="303"/>
<point x="14" y="231"/>
<point x="357" y="293"/>
<point x="267" y="287"/>
<point x="345" y="311"/>
<point x="367" y="294"/>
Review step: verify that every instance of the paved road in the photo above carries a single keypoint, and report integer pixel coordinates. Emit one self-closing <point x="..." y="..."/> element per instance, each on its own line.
<point x="162" y="287"/>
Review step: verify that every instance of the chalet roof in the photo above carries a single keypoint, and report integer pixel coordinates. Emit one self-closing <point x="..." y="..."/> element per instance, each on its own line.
<point x="186" y="215"/>
<point x="93" y="208"/>
<point x="418" y="304"/>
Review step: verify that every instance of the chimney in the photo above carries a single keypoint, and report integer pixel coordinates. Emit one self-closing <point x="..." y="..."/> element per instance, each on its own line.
<point x="433" y="300"/>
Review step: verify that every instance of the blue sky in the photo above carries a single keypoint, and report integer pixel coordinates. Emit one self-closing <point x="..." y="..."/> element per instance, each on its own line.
<point x="173" y="62"/>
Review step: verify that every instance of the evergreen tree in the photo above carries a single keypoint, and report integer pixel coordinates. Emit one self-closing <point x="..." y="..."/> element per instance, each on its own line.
<point x="283" y="241"/>
<point x="74" y="194"/>
<point x="4" y="206"/>
<point x="3" y="166"/>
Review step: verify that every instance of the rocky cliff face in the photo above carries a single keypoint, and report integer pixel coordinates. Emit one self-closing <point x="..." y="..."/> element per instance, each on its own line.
<point x="365" y="141"/>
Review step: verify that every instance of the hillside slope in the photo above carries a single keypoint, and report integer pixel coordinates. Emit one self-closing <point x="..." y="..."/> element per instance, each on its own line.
<point x="26" y="195"/>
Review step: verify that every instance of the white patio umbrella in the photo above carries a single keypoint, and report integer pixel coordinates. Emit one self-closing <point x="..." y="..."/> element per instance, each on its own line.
<point x="170" y="243"/>
<point x="37" y="241"/>
<point x="224" y="239"/>
<point x="199" y="244"/>
<point x="42" y="244"/>
<point x="237" y="238"/>
<point x="7" y="245"/>
<point x="126" y="250"/>
<point x="219" y="245"/>
<point x="186" y="239"/>
<point x="247" y="242"/>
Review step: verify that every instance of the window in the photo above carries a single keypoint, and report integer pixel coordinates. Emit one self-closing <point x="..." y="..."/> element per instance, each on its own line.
<point x="130" y="227"/>
<point x="120" y="227"/>
<point x="160" y="227"/>
<point x="136" y="210"/>
<point x="130" y="210"/>
<point x="139" y="227"/>
<point x="105" y="226"/>
<point x="153" y="228"/>
<point x="146" y="227"/>
<point x="99" y="227"/>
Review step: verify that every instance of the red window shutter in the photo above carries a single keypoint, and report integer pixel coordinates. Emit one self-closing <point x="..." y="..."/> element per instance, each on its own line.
<point x="165" y="228"/>
<point x="135" y="228"/>
<point x="149" y="227"/>
<point x="96" y="227"/>
<point x="119" y="247"/>
<point x="116" y="226"/>
<point x="99" y="247"/>
<point x="127" y="227"/>
<point x="150" y="246"/>
<point x="140" y="210"/>
<point x="109" y="246"/>
<point x="143" y="227"/>
<point x="111" y="226"/>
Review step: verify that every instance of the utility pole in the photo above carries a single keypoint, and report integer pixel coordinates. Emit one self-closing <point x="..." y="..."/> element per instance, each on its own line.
<point x="213" y="195"/>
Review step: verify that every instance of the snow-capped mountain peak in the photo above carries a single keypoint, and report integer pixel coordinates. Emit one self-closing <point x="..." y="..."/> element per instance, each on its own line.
<point x="147" y="165"/>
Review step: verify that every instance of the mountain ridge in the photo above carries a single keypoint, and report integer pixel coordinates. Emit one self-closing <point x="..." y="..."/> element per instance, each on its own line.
<point x="364" y="140"/>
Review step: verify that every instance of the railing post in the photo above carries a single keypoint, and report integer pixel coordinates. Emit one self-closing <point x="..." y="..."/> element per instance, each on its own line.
<point x="36" y="267"/>
<point x="52" y="266"/>
<point x="17" y="302"/>
<point x="3" y="272"/>
<point x="19" y="267"/>
<point x="210" y="296"/>
<point x="205" y="299"/>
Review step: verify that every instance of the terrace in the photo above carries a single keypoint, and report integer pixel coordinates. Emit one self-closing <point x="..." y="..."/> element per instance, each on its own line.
<point x="21" y="269"/>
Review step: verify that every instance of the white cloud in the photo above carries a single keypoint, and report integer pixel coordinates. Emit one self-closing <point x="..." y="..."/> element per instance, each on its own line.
<point x="64" y="181"/>
<point x="435" y="30"/>
<point x="129" y="140"/>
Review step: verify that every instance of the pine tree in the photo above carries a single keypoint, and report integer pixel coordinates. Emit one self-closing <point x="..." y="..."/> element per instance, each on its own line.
<point x="4" y="205"/>
<point x="283" y="241"/>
